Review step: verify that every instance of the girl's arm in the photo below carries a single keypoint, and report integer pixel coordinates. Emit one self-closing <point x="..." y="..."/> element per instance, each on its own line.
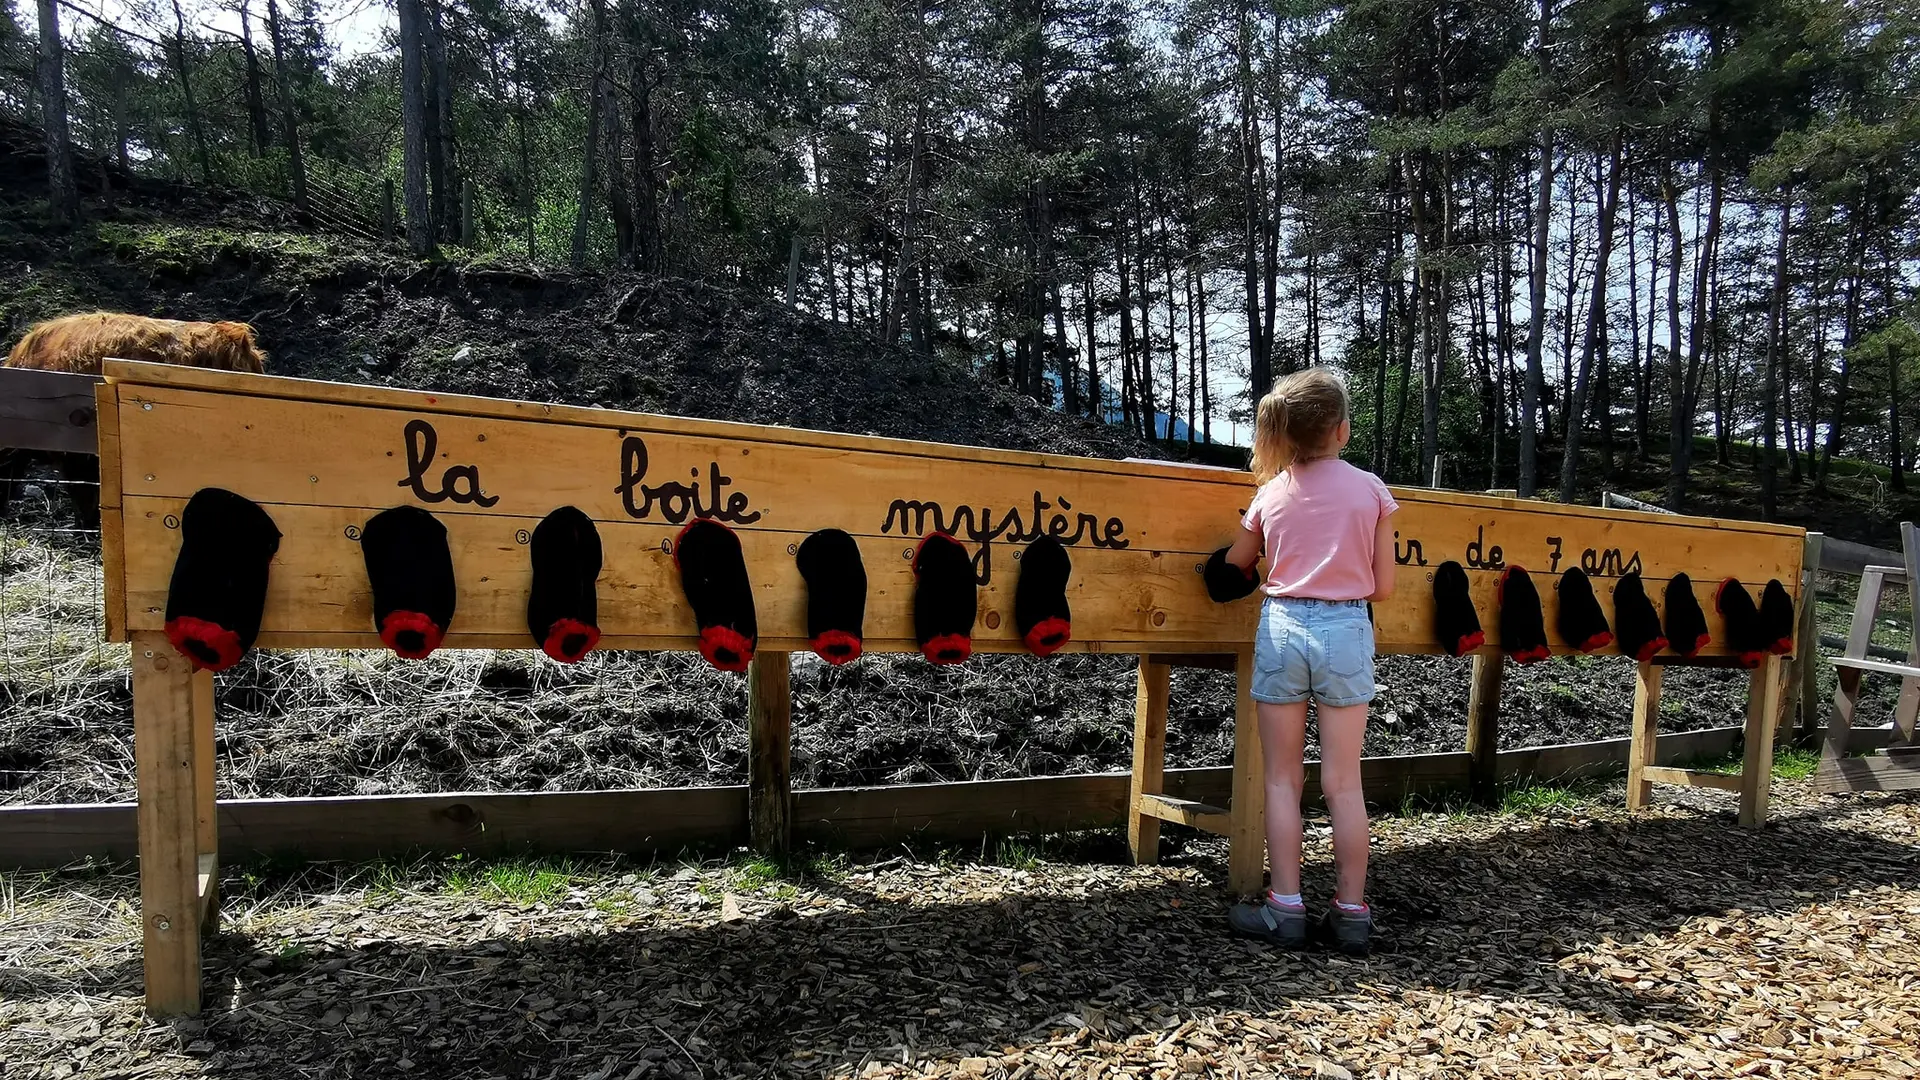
<point x="1383" y="562"/>
<point x="1245" y="550"/>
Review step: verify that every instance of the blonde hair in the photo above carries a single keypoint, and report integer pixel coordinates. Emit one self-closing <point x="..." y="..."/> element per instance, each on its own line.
<point x="1302" y="412"/>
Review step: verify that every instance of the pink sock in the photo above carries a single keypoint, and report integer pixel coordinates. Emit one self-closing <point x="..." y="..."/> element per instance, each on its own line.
<point x="1351" y="909"/>
<point x="1290" y="903"/>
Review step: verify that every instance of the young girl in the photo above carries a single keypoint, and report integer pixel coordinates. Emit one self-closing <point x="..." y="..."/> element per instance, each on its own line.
<point x="1325" y="527"/>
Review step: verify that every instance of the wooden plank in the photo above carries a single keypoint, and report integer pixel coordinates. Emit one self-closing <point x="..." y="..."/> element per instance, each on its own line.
<point x="667" y="820"/>
<point x="165" y="760"/>
<point x="206" y="826"/>
<point x="875" y="816"/>
<point x="112" y="530"/>
<point x="1196" y="815"/>
<point x="1151" y="688"/>
<point x="1878" y="667"/>
<point x="1643" y="735"/>
<point x="1846" y="557"/>
<point x="1202" y="661"/>
<point x="1765" y="692"/>
<point x="1906" y="710"/>
<point x="47" y="410"/>
<point x="1899" y="772"/>
<point x="1803" y="706"/>
<point x="770" y="753"/>
<point x="1247" y="822"/>
<point x="1660" y="774"/>
<point x="325" y="464"/>
<point x="1483" y="727"/>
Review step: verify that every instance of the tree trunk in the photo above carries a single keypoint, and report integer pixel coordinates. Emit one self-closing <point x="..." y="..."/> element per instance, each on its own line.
<point x="1535" y="387"/>
<point x="194" y="125"/>
<point x="590" y="155"/>
<point x="1093" y="345"/>
<point x="910" y="230"/>
<point x="441" y="171"/>
<point x="256" y="96"/>
<point x="289" y="113"/>
<point x="63" y="194"/>
<point x="413" y="122"/>
<point x="1596" y="328"/>
<point x="1259" y="363"/>
<point x="1776" y="352"/>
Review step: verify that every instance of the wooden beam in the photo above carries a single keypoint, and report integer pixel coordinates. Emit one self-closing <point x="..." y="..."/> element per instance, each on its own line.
<point x="1195" y="815"/>
<point x="1894" y="772"/>
<point x="667" y="820"/>
<point x="1879" y="667"/>
<point x="113" y="547"/>
<point x="1765" y="692"/>
<point x="1906" y="709"/>
<point x="1660" y="774"/>
<point x="1839" y="556"/>
<point x="1203" y="661"/>
<point x="1151" y="687"/>
<point x="165" y="760"/>
<point x="1803" y="706"/>
<point x="1483" y="728"/>
<point x="47" y="410"/>
<point x="1643" y="740"/>
<point x="1247" y="820"/>
<point x="206" y="826"/>
<point x="770" y="753"/>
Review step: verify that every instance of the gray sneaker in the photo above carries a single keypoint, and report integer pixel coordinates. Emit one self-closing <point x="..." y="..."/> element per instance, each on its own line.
<point x="1350" y="934"/>
<point x="1287" y="929"/>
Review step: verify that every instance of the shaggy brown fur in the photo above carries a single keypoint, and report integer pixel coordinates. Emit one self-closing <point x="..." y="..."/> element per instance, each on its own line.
<point x="78" y="343"/>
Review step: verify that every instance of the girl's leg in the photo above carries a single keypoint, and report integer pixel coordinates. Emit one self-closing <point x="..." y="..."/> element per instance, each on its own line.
<point x="1342" y="731"/>
<point x="1283" y="737"/>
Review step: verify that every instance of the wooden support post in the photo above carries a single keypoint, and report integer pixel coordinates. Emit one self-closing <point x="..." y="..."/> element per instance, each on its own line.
<point x="770" y="753"/>
<point x="165" y="716"/>
<point x="1765" y="693"/>
<point x="1645" y="736"/>
<point x="206" y="822"/>
<point x="1804" y="700"/>
<point x="1907" y="708"/>
<point x="1247" y="826"/>
<point x="1483" y="727"/>
<point x="1149" y="757"/>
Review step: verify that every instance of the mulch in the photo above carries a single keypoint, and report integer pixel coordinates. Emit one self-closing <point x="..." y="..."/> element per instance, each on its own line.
<point x="1578" y="942"/>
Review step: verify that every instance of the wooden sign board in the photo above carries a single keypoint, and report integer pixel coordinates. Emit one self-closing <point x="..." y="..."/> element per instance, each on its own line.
<point x="322" y="458"/>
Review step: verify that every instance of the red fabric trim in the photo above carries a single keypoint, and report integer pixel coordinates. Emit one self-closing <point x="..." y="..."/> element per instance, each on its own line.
<point x="570" y="632"/>
<point x="1700" y="643"/>
<point x="208" y="646"/>
<point x="1048" y="635"/>
<point x="836" y="647"/>
<point x="411" y="622"/>
<point x="947" y="648"/>
<point x="1597" y="642"/>
<point x="1648" y="650"/>
<point x="1469" y="642"/>
<point x="1500" y="583"/>
<point x="726" y="648"/>
<point x="1781" y="646"/>
<point x="1751" y="659"/>
<point x="1533" y="655"/>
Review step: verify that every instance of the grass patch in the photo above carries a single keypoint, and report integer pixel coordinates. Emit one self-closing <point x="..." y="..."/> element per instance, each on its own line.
<point x="1535" y="798"/>
<point x="527" y="881"/>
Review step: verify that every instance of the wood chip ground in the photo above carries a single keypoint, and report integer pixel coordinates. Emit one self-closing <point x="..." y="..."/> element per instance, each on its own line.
<point x="1573" y="942"/>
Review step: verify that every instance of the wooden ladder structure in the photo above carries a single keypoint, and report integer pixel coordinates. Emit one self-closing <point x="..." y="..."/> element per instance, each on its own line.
<point x="1899" y="768"/>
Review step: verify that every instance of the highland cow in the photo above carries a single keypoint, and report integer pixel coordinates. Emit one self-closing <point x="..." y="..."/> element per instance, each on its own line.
<point x="78" y="343"/>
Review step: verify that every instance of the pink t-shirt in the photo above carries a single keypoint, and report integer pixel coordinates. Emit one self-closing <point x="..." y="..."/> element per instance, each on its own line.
<point x="1318" y="520"/>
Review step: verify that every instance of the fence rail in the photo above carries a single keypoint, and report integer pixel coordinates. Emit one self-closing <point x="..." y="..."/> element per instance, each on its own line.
<point x="668" y="820"/>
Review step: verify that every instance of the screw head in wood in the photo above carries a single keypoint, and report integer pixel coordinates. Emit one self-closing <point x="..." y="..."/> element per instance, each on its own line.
<point x="163" y="923"/>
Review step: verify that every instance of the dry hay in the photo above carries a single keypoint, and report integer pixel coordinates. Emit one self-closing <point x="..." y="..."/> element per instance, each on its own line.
<point x="1572" y="943"/>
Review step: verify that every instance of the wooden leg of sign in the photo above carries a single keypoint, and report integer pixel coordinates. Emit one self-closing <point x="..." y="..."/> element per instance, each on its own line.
<point x="1764" y="697"/>
<point x="1247" y="825"/>
<point x="1802" y="709"/>
<point x="1149" y="758"/>
<point x="1645" y="736"/>
<point x="166" y="758"/>
<point x="770" y="753"/>
<point x="206" y="823"/>
<point x="1483" y="728"/>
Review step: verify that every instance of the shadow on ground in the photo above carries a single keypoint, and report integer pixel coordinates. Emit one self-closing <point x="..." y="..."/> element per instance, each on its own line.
<point x="917" y="969"/>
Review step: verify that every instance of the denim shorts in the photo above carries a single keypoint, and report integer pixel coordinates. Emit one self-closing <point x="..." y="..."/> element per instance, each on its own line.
<point x="1318" y="649"/>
